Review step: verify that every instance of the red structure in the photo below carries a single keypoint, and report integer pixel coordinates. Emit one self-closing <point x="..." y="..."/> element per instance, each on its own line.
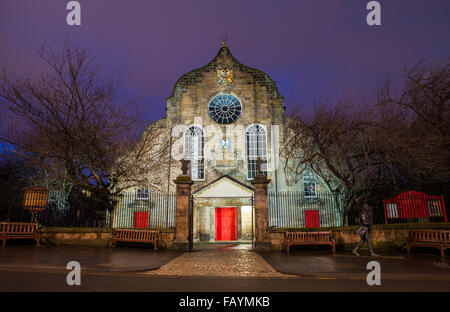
<point x="226" y="224"/>
<point x="412" y="205"/>
<point x="312" y="218"/>
<point x="140" y="220"/>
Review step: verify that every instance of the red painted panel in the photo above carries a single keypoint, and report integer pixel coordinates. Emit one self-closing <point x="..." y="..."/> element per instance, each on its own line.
<point x="140" y="220"/>
<point x="226" y="224"/>
<point x="414" y="204"/>
<point x="312" y="218"/>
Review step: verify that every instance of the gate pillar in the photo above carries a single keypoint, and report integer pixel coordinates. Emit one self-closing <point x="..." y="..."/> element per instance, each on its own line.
<point x="183" y="202"/>
<point x="262" y="238"/>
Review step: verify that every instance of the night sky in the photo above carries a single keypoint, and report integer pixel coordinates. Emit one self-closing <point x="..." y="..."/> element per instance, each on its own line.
<point x="312" y="49"/>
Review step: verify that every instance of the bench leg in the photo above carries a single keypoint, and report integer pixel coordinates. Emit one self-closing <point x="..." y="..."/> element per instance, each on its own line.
<point x="408" y="249"/>
<point x="3" y="242"/>
<point x="334" y="249"/>
<point x="288" y="247"/>
<point x="442" y="251"/>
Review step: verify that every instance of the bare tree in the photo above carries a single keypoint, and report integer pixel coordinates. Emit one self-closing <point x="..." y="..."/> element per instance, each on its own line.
<point x="72" y="124"/>
<point x="390" y="144"/>
<point x="338" y="144"/>
<point x="416" y="127"/>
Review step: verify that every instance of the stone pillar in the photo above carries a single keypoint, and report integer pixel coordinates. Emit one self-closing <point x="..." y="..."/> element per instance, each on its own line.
<point x="262" y="238"/>
<point x="183" y="201"/>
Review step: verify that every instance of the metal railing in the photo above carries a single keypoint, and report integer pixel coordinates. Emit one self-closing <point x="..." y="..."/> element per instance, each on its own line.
<point x="295" y="209"/>
<point x="145" y="210"/>
<point x="150" y="210"/>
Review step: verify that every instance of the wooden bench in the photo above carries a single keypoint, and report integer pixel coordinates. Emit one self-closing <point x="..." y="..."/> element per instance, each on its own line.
<point x="309" y="238"/>
<point x="428" y="238"/>
<point x="135" y="236"/>
<point x="19" y="230"/>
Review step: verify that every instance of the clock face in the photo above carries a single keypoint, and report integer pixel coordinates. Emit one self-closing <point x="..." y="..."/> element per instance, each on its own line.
<point x="225" y="109"/>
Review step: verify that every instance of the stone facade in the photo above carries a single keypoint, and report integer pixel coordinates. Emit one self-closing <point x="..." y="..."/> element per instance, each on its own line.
<point x="262" y="105"/>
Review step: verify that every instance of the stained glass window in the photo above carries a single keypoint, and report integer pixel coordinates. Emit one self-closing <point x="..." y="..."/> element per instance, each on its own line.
<point x="256" y="147"/>
<point x="194" y="144"/>
<point x="225" y="109"/>
<point x="309" y="182"/>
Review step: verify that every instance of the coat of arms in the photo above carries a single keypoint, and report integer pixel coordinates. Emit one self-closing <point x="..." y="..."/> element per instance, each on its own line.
<point x="224" y="76"/>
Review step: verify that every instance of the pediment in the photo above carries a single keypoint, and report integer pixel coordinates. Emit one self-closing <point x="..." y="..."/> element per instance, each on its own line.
<point x="224" y="187"/>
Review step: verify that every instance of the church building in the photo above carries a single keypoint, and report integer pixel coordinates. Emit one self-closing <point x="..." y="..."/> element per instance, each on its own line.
<point x="227" y="118"/>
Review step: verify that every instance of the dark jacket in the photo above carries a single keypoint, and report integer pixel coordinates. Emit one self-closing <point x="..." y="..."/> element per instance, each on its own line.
<point x="366" y="219"/>
<point x="366" y="215"/>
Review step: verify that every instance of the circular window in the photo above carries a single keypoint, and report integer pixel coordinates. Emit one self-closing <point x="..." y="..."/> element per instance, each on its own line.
<point x="225" y="108"/>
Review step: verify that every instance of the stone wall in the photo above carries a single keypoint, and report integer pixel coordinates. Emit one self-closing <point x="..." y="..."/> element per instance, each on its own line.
<point x="94" y="237"/>
<point x="382" y="236"/>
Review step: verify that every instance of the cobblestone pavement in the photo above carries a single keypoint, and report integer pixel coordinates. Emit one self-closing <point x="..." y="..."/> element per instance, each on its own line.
<point x="219" y="261"/>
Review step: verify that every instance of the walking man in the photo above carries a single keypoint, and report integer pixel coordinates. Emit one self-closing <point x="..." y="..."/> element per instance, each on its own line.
<point x="364" y="229"/>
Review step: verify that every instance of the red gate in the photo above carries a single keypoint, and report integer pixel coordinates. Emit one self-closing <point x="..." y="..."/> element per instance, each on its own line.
<point x="413" y="204"/>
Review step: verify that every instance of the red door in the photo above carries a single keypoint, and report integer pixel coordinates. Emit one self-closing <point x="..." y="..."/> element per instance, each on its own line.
<point x="141" y="220"/>
<point x="312" y="218"/>
<point x="226" y="224"/>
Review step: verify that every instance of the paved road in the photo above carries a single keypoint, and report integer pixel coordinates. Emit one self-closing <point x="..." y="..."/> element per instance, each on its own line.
<point x="221" y="268"/>
<point x="97" y="258"/>
<point x="90" y="281"/>
<point x="219" y="261"/>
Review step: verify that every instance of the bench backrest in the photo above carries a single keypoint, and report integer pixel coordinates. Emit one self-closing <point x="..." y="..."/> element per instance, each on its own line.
<point x="429" y="236"/>
<point x="136" y="234"/>
<point x="18" y="228"/>
<point x="309" y="236"/>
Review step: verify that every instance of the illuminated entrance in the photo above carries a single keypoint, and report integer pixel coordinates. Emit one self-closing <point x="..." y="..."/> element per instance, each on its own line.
<point x="223" y="211"/>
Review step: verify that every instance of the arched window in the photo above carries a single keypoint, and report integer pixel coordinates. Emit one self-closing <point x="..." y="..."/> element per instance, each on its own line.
<point x="309" y="184"/>
<point x="194" y="144"/>
<point x="256" y="147"/>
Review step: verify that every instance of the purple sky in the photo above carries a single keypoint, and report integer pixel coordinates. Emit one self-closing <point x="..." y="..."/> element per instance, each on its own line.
<point x="312" y="48"/>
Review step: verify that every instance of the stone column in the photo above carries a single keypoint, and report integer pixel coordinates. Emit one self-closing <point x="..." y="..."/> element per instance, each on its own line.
<point x="183" y="201"/>
<point x="262" y="238"/>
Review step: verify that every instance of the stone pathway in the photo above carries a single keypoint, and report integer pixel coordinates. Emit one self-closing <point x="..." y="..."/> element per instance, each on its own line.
<point x="220" y="261"/>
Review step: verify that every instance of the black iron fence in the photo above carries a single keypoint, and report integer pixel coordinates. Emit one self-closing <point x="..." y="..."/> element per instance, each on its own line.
<point x="59" y="210"/>
<point x="130" y="210"/>
<point x="148" y="209"/>
<point x="294" y="209"/>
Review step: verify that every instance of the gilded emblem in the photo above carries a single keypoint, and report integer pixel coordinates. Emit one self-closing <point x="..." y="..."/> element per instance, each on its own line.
<point x="224" y="76"/>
